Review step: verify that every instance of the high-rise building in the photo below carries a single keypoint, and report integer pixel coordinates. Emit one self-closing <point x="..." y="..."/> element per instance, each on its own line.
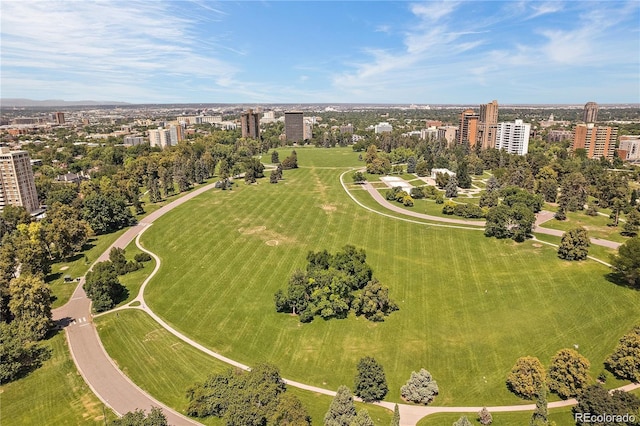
<point x="17" y="186"/>
<point x="629" y="148"/>
<point x="448" y="133"/>
<point x="597" y="141"/>
<point x="488" y="124"/>
<point x="165" y="137"/>
<point x="58" y="117"/>
<point x="294" y="126"/>
<point x="250" y="123"/>
<point x="590" y="112"/>
<point x="513" y="137"/>
<point x="468" y="129"/>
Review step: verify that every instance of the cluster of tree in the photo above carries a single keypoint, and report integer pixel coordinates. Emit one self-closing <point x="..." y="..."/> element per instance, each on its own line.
<point x="377" y="164"/>
<point x="276" y="175"/>
<point x="334" y="284"/>
<point x="254" y="398"/>
<point x="615" y="408"/>
<point x="254" y="169"/>
<point x="398" y="194"/>
<point x="465" y="210"/>
<point x="342" y="412"/>
<point x="291" y="162"/>
<point x="420" y="388"/>
<point x="139" y="418"/>
<point x="26" y="319"/>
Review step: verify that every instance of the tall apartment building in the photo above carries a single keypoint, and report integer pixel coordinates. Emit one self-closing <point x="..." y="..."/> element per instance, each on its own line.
<point x="17" y="186"/>
<point x="468" y="128"/>
<point x="294" y="126"/>
<point x="448" y="133"/>
<point x="598" y="141"/>
<point x="165" y="137"/>
<point x="513" y="137"/>
<point x="488" y="124"/>
<point x="250" y="123"/>
<point x="590" y="112"/>
<point x="58" y="117"/>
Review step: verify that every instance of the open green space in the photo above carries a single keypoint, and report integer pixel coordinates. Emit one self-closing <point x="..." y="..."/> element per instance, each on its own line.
<point x="595" y="225"/>
<point x="133" y="280"/>
<point x="164" y="366"/>
<point x="76" y="267"/>
<point x="562" y="417"/>
<point x="54" y="394"/>
<point x="469" y="305"/>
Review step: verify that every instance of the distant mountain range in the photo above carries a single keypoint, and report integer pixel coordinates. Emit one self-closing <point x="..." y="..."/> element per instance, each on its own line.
<point x="14" y="102"/>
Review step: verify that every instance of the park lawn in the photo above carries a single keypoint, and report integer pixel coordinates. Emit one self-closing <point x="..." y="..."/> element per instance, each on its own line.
<point x="599" y="252"/>
<point x="469" y="305"/>
<point x="430" y="207"/>
<point x="54" y="394"/>
<point x="77" y="266"/>
<point x="133" y="280"/>
<point x="562" y="417"/>
<point x="166" y="367"/>
<point x="596" y="226"/>
<point x="338" y="158"/>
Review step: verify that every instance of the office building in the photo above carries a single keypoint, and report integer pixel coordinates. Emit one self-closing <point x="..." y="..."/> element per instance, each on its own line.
<point x="590" y="112"/>
<point x="250" y="123"/>
<point x="488" y="124"/>
<point x="597" y="141"/>
<point x="513" y="137"/>
<point x="294" y="126"/>
<point x="383" y="127"/>
<point x="17" y="186"/>
<point x="468" y="128"/>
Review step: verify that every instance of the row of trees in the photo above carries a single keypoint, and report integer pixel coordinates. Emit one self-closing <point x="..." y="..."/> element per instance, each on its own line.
<point x="334" y="284"/>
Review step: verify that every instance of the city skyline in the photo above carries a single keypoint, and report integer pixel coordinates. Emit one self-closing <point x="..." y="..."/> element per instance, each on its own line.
<point x="314" y="52"/>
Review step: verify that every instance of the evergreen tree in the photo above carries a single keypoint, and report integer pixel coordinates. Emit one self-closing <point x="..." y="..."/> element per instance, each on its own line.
<point x="362" y="419"/>
<point x="463" y="421"/>
<point x="395" y="420"/>
<point x="275" y="158"/>
<point x="541" y="413"/>
<point x="342" y="411"/>
<point x="485" y="417"/>
<point x="451" y="189"/>
<point x="370" y="381"/>
<point x="411" y="164"/>
<point x="462" y="174"/>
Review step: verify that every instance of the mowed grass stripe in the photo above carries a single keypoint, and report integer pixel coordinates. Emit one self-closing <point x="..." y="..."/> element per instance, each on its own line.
<point x="446" y="323"/>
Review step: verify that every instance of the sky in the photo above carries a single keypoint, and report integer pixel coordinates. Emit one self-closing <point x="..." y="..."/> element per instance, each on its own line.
<point x="200" y="51"/>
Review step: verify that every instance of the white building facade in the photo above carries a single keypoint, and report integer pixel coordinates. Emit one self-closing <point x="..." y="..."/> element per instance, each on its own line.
<point x="513" y="137"/>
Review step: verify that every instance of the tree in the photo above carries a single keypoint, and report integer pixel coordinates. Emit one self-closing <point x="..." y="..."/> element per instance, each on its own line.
<point x="627" y="262"/>
<point x="526" y="377"/>
<point x="630" y="227"/>
<point x="573" y="192"/>
<point x="65" y="233"/>
<point x="118" y="260"/>
<point x="568" y="374"/>
<point x="411" y="164"/>
<point x="422" y="168"/>
<point x="541" y="412"/>
<point x="462" y="421"/>
<point x="273" y="177"/>
<point x="19" y="355"/>
<point x="485" y="417"/>
<point x="138" y="418"/>
<point x="290" y="412"/>
<point x="574" y="244"/>
<point x="370" y="381"/>
<point x="451" y="189"/>
<point x="488" y="199"/>
<point x="362" y="419"/>
<point x="275" y="158"/>
<point x="374" y="303"/>
<point x="342" y="411"/>
<point x="624" y="362"/>
<point x="462" y="174"/>
<point x="359" y="177"/>
<point x="492" y="184"/>
<point x="420" y="388"/>
<point x="30" y="305"/>
<point x="106" y="214"/>
<point x="291" y="162"/>
<point x="497" y="224"/>
<point x="395" y="420"/>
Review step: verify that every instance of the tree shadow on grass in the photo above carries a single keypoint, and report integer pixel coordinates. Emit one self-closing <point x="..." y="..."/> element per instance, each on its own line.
<point x="620" y="280"/>
<point x="52" y="277"/>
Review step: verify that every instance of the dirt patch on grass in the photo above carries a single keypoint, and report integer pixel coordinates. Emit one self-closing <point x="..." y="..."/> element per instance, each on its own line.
<point x="329" y="208"/>
<point x="536" y="245"/>
<point x="64" y="268"/>
<point x="152" y="335"/>
<point x="251" y="231"/>
<point x="272" y="243"/>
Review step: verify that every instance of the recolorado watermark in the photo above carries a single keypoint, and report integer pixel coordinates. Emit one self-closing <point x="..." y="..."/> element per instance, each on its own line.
<point x="604" y="418"/>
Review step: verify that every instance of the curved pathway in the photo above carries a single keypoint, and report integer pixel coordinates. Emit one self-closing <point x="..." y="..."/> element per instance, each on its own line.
<point x="122" y="395"/>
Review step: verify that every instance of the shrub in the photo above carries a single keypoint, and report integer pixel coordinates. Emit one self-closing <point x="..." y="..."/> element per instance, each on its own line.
<point x="142" y="257"/>
<point x="407" y="201"/>
<point x="420" y="388"/>
<point x="449" y="207"/>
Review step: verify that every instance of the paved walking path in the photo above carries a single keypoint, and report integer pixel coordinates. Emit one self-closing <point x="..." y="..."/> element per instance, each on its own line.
<point x="122" y="395"/>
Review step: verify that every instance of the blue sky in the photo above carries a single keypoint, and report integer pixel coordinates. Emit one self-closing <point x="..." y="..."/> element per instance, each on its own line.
<point x="329" y="52"/>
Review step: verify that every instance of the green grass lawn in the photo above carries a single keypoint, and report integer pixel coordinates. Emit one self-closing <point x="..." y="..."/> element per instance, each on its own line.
<point x="54" y="394"/>
<point x="596" y="226"/>
<point x="133" y="280"/>
<point x="562" y="417"/>
<point x="469" y="305"/>
<point x="77" y="266"/>
<point x="164" y="366"/>
<point x="430" y="207"/>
